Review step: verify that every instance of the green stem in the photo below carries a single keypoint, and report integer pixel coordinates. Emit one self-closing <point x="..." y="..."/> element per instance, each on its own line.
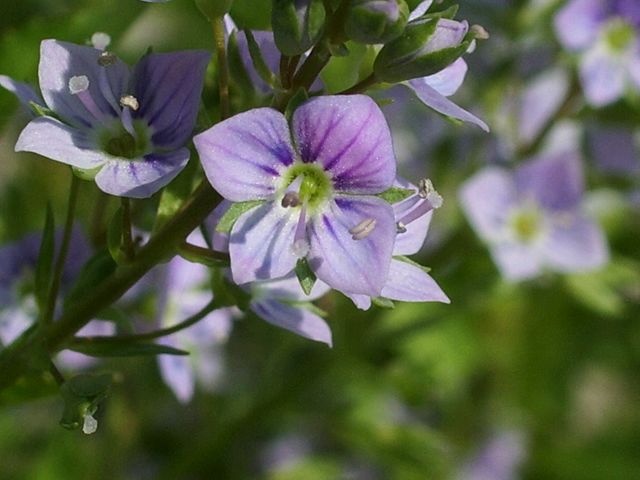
<point x="64" y="249"/>
<point x="55" y="373"/>
<point x="127" y="237"/>
<point x="97" y="221"/>
<point x="214" y="257"/>
<point x="361" y="86"/>
<point x="16" y="358"/>
<point x="223" y="70"/>
<point x="192" y="320"/>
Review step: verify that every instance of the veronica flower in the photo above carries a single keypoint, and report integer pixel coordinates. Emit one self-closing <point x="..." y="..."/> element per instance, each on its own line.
<point x="433" y="90"/>
<point x="500" y="458"/>
<point x="314" y="201"/>
<point x="533" y="218"/>
<point x="408" y="281"/>
<point x="605" y="33"/>
<point x="128" y="128"/>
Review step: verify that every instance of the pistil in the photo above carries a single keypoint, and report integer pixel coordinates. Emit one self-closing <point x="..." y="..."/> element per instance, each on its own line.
<point x="79" y="86"/>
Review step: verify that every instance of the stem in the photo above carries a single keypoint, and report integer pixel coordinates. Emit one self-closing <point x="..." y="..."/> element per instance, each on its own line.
<point x="64" y="249"/>
<point x="223" y="70"/>
<point x="312" y="66"/>
<point x="97" y="222"/>
<point x="192" y="320"/>
<point x="55" y="373"/>
<point x="361" y="86"/>
<point x="16" y="358"/>
<point x="284" y="71"/>
<point x="210" y="254"/>
<point x="127" y="237"/>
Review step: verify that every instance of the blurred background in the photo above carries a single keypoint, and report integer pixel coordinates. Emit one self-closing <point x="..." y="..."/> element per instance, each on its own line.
<point x="530" y="380"/>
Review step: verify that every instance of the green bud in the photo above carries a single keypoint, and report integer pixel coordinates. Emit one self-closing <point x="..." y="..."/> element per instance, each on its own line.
<point x="214" y="8"/>
<point x="375" y="21"/>
<point x="428" y="44"/>
<point x="297" y="24"/>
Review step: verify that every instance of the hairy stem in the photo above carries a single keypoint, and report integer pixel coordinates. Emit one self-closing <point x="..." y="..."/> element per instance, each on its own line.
<point x="223" y="69"/>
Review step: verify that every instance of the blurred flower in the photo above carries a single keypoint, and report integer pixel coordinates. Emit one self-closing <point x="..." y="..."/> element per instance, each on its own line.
<point x="605" y="33"/>
<point x="499" y="459"/>
<point x="408" y="281"/>
<point x="533" y="218"/>
<point x="317" y="202"/>
<point x="126" y="129"/>
<point x="615" y="150"/>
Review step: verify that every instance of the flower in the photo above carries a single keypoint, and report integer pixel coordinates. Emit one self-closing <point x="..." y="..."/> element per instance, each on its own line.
<point x="408" y="281"/>
<point x="500" y="458"/>
<point x="605" y="33"/>
<point x="128" y="129"/>
<point x="533" y="218"/>
<point x="316" y="201"/>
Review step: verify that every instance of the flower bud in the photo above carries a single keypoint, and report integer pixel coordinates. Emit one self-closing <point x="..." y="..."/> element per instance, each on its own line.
<point x="376" y="21"/>
<point x="428" y="44"/>
<point x="297" y="24"/>
<point x="214" y="8"/>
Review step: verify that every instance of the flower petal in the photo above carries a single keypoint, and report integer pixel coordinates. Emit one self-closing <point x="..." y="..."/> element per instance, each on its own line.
<point x="177" y="372"/>
<point x="363" y="302"/>
<point x="168" y="87"/>
<point x="288" y="288"/>
<point x="603" y="77"/>
<point x="420" y="9"/>
<point x="441" y="104"/>
<point x="260" y="245"/>
<point x="296" y="319"/>
<point x="409" y="283"/>
<point x="516" y="262"/>
<point x="59" y="61"/>
<point x="577" y="246"/>
<point x="219" y="240"/>
<point x="448" y="80"/>
<point x="577" y="23"/>
<point x="349" y="136"/>
<point x="23" y="91"/>
<point x="53" y="139"/>
<point x="553" y="180"/>
<point x="486" y="199"/>
<point x="141" y="178"/>
<point x="410" y="241"/>
<point x="244" y="155"/>
<point x="348" y="265"/>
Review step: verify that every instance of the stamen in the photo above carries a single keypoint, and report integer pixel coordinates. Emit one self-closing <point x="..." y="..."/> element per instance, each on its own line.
<point x="107" y="58"/>
<point x="300" y="245"/>
<point x="90" y="424"/>
<point x="127" y="122"/>
<point x="130" y="101"/>
<point x="363" y="229"/>
<point x="401" y="228"/>
<point x="100" y="40"/>
<point x="431" y="200"/>
<point x="290" y="199"/>
<point x="79" y="85"/>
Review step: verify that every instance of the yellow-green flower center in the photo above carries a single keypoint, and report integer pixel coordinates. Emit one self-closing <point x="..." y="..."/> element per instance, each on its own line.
<point x="619" y="35"/>
<point x="315" y="187"/>
<point x="117" y="141"/>
<point x="526" y="224"/>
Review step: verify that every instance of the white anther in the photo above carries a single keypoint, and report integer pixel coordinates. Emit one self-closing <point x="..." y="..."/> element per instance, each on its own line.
<point x="107" y="58"/>
<point x="401" y="228"/>
<point x="300" y="248"/>
<point x="90" y="424"/>
<point x="78" y="84"/>
<point x="479" y="32"/>
<point x="435" y="199"/>
<point x="100" y="40"/>
<point x="429" y="193"/>
<point x="363" y="229"/>
<point x="130" y="101"/>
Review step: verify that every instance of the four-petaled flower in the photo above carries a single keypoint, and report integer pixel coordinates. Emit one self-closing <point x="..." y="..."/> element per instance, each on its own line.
<point x="129" y="129"/>
<point x="318" y="198"/>
<point x="533" y="218"/>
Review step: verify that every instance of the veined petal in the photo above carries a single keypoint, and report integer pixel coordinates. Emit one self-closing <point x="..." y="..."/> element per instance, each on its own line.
<point x="261" y="241"/>
<point x="516" y="261"/>
<point x="141" y="178"/>
<point x="296" y="319"/>
<point x="603" y="76"/>
<point x="441" y="104"/>
<point x="577" y="23"/>
<point x="486" y="199"/>
<point x="168" y="87"/>
<point x="575" y="244"/>
<point x="410" y="241"/>
<point x="448" y="80"/>
<point x="409" y="283"/>
<point x="22" y="90"/>
<point x="349" y="136"/>
<point x="348" y="265"/>
<point x="177" y="372"/>
<point x="53" y="139"/>
<point x="420" y="9"/>
<point x="363" y="302"/>
<point x="554" y="181"/>
<point x="244" y="155"/>
<point x="59" y="61"/>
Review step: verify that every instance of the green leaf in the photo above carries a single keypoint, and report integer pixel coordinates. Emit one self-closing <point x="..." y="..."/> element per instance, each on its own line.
<point x="41" y="111"/>
<point x="82" y="395"/>
<point x="312" y="307"/>
<point x="100" y="266"/>
<point x="125" y="348"/>
<point x="202" y="256"/>
<point x="339" y="49"/>
<point x="404" y="259"/>
<point x="305" y="275"/>
<point x="235" y="210"/>
<point x="174" y="195"/>
<point x="44" y="267"/>
<point x="396" y="194"/>
<point x="258" y="60"/>
<point x="86" y="385"/>
<point x="298" y="99"/>
<point x="383" y="302"/>
<point x="114" y="237"/>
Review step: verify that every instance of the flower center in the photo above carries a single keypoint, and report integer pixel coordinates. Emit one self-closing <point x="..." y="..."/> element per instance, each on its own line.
<point x="618" y="35"/>
<point x="116" y="140"/>
<point x="315" y="185"/>
<point x="526" y="224"/>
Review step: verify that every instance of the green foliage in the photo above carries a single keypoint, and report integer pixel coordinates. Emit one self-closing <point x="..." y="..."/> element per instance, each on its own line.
<point x="305" y="275"/>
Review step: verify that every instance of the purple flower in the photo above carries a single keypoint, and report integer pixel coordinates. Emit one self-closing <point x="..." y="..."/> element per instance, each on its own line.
<point x="128" y="129"/>
<point x="433" y="90"/>
<point x="605" y="33"/>
<point x="317" y="200"/>
<point x="499" y="459"/>
<point x="533" y="219"/>
<point x="408" y="281"/>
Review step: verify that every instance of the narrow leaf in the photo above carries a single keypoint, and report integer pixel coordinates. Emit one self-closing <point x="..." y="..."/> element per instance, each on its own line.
<point x="114" y="237"/>
<point x="258" y="60"/>
<point x="175" y="194"/>
<point x="123" y="349"/>
<point x="305" y="275"/>
<point x="44" y="267"/>
<point x="383" y="302"/>
<point x="404" y="259"/>
<point x="298" y="99"/>
<point x="229" y="218"/>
